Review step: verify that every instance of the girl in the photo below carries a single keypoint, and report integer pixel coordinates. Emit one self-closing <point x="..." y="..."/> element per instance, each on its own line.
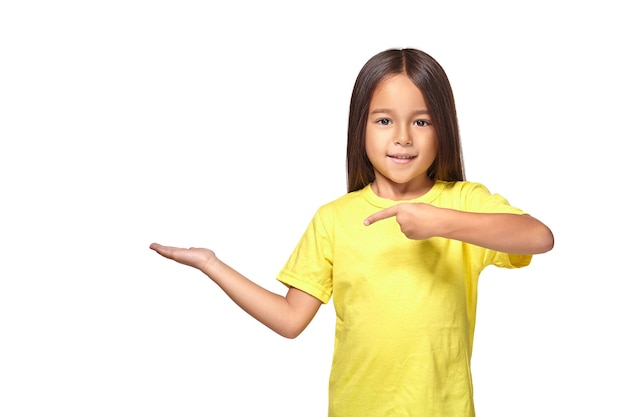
<point x="400" y="253"/>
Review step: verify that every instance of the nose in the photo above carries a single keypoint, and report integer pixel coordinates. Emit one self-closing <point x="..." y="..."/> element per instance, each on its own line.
<point x="403" y="138"/>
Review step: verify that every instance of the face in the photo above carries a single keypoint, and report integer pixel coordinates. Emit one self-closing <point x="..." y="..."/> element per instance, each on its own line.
<point x="400" y="139"/>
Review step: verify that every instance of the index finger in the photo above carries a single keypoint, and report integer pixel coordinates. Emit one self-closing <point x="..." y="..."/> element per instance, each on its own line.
<point x="383" y="214"/>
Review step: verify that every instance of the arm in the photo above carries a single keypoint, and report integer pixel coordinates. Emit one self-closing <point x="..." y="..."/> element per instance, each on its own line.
<point x="287" y="315"/>
<point x="510" y="233"/>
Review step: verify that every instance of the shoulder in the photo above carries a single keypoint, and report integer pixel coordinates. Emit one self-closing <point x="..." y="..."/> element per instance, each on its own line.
<point x="473" y="196"/>
<point x="344" y="210"/>
<point x="345" y="201"/>
<point x="461" y="190"/>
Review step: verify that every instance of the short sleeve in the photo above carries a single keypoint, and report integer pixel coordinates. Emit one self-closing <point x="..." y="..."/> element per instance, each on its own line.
<point x="477" y="198"/>
<point x="310" y="266"/>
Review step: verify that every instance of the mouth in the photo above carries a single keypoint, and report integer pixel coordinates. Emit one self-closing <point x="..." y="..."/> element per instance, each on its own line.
<point x="401" y="158"/>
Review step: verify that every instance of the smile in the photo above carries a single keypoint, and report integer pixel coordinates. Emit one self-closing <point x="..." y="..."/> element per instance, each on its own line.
<point x="402" y="159"/>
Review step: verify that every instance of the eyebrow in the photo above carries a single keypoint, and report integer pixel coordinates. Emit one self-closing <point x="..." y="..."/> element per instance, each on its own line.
<point x="415" y="113"/>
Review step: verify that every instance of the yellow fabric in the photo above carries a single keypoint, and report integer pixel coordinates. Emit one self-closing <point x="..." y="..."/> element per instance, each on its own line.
<point x="405" y="309"/>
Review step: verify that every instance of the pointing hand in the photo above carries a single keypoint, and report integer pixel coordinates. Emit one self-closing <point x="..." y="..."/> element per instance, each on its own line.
<point x="417" y="220"/>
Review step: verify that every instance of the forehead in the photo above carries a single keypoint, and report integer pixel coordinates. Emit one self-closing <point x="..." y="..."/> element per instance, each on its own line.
<point x="397" y="90"/>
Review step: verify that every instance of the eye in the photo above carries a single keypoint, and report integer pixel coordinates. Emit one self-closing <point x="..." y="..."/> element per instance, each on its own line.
<point x="422" y="123"/>
<point x="383" y="121"/>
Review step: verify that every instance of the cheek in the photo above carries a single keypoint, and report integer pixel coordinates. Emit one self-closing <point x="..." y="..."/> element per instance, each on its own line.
<point x="370" y="146"/>
<point x="433" y="146"/>
<point x="375" y="151"/>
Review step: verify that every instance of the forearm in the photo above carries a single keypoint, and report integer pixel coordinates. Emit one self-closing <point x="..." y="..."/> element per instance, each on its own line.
<point x="286" y="315"/>
<point x="510" y="233"/>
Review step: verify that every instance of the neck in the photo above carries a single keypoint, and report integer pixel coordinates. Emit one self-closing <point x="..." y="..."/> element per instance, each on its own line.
<point x="393" y="191"/>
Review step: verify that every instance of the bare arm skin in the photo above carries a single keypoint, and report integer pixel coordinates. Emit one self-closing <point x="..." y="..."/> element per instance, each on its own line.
<point x="509" y="233"/>
<point x="287" y="315"/>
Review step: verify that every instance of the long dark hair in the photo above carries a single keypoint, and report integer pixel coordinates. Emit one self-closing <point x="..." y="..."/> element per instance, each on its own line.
<point x="431" y="79"/>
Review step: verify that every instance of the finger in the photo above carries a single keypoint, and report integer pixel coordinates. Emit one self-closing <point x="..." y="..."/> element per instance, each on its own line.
<point x="383" y="214"/>
<point x="167" y="251"/>
<point x="157" y="247"/>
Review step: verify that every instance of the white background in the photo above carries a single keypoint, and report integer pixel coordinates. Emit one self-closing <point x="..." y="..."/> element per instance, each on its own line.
<point x="223" y="125"/>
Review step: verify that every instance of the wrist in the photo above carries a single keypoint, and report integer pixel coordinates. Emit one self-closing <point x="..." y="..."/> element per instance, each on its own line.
<point x="211" y="265"/>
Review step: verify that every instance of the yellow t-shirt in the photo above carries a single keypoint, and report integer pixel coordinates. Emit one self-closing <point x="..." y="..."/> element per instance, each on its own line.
<point x="405" y="308"/>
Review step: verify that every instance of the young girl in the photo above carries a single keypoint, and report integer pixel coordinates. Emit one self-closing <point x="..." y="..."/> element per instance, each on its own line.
<point x="400" y="253"/>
